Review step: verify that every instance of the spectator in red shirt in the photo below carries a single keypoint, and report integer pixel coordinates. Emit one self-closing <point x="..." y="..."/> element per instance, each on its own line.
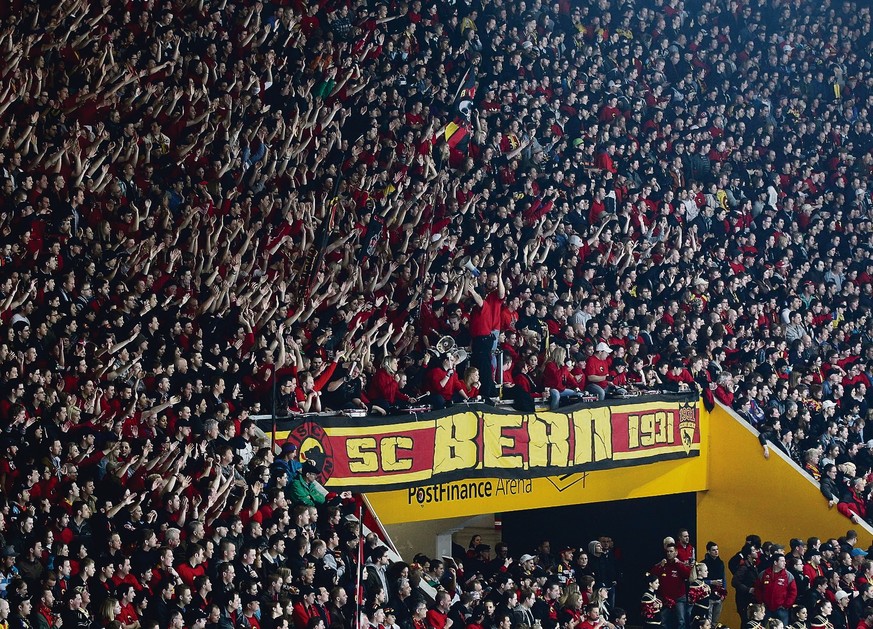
<point x="193" y="566"/>
<point x="438" y="616"/>
<point x="484" y="327"/>
<point x="673" y="576"/>
<point x="597" y="371"/>
<point x="443" y="384"/>
<point x="471" y="382"/>
<point x="685" y="549"/>
<point x="679" y="376"/>
<point x="618" y="375"/>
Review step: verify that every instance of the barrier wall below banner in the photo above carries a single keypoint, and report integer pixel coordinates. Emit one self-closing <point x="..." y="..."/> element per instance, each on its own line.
<point x="748" y="494"/>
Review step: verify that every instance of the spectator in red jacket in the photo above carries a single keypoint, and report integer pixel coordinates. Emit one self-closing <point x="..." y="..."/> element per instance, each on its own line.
<point x="597" y="371"/>
<point x="673" y="586"/>
<point x="777" y="589"/>
<point x="305" y="609"/>
<point x="438" y="616"/>
<point x="557" y="379"/>
<point x="384" y="391"/>
<point x="852" y="503"/>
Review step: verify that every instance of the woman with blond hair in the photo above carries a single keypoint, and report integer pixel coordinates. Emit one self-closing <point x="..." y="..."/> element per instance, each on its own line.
<point x="600" y="597"/>
<point x="571" y="610"/>
<point x="384" y="391"/>
<point x="109" y="611"/>
<point x="557" y="379"/>
<point x="569" y="590"/>
<point x="699" y="592"/>
<point x="471" y="382"/>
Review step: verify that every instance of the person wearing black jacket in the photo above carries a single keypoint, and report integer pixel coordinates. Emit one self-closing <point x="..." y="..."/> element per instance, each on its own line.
<point x="817" y="592"/>
<point x="737" y="560"/>
<point x="744" y="579"/>
<point x="795" y="567"/>
<point x="830" y="487"/>
<point x="160" y="607"/>
<point x="771" y="434"/>
<point x="545" y="609"/>
<point x="715" y="579"/>
<point x="857" y="609"/>
<point x="603" y="565"/>
<point x="838" y="617"/>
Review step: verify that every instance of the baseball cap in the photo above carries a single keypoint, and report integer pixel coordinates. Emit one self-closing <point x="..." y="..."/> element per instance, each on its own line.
<point x="603" y="347"/>
<point x="310" y="467"/>
<point x="524" y="558"/>
<point x="194" y="614"/>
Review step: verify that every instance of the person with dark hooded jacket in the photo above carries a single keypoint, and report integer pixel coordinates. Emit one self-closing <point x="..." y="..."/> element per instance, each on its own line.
<point x="745" y="577"/>
<point x="829" y="486"/>
<point x="602" y="563"/>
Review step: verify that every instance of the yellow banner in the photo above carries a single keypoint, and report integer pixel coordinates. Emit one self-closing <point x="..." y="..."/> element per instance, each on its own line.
<point x="484" y="442"/>
<point x="471" y="497"/>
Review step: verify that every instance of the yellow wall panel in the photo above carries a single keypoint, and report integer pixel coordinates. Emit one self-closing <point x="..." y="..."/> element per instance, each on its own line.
<point x="748" y="494"/>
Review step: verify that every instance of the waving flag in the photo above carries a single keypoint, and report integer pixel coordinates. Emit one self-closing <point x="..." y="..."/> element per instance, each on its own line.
<point x="466" y="93"/>
<point x="457" y="132"/>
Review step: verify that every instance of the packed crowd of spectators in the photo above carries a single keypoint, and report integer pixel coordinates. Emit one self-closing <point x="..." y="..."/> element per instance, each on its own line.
<point x="812" y="583"/>
<point x="622" y="195"/>
<point x="808" y="583"/>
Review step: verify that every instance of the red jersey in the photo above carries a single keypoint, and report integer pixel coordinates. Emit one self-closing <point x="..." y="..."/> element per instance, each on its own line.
<point x="485" y="319"/>
<point x="433" y="379"/>
<point x="596" y="367"/>
<point x="672" y="576"/>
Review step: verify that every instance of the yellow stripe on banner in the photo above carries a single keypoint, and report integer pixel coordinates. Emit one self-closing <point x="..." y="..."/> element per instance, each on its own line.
<point x="385" y="429"/>
<point x="377" y="481"/>
<point x="282" y="434"/>
<point x="631" y="456"/>
<point x="450" y="129"/>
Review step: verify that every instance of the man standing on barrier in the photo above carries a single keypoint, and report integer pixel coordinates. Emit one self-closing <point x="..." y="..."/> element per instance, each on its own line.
<point x="484" y="328"/>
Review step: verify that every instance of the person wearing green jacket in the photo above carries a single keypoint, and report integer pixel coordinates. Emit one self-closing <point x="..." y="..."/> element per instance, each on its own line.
<point x="304" y="489"/>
